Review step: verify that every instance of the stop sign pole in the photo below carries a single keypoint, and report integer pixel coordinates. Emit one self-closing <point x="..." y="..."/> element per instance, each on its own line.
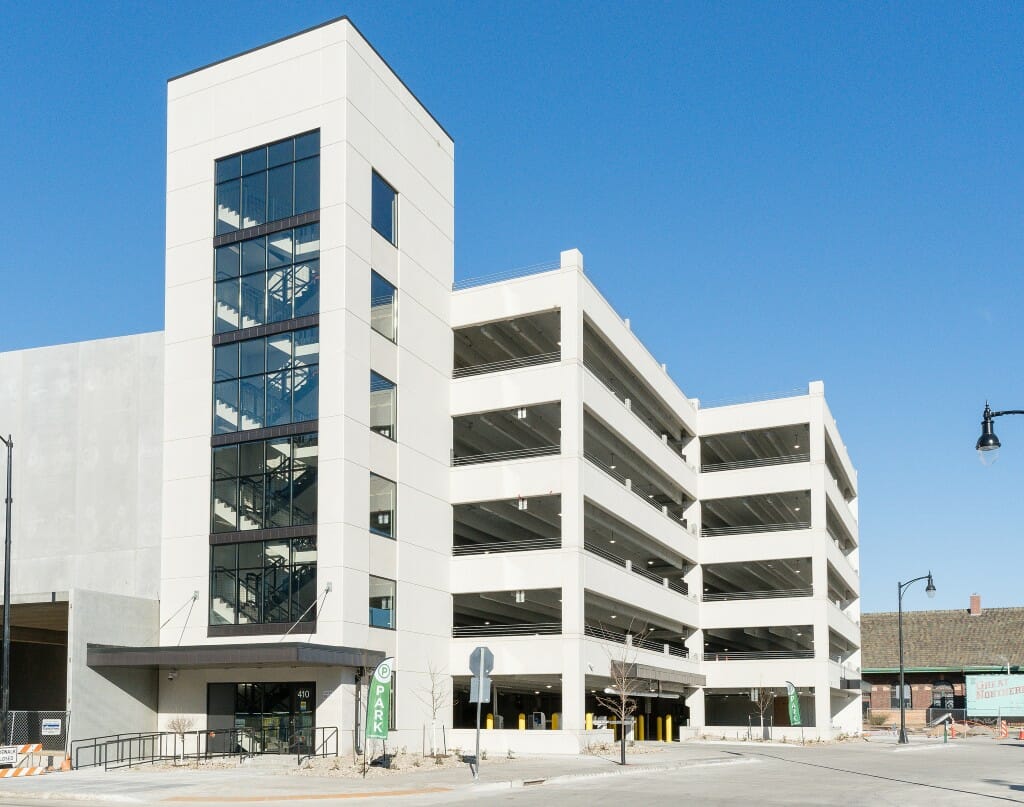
<point x="483" y="661"/>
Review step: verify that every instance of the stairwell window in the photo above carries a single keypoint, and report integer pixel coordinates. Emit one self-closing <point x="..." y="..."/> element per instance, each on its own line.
<point x="384" y="208"/>
<point x="382" y="506"/>
<point x="268" y="183"/>
<point x="263" y="581"/>
<point x="383" y="308"/>
<point x="268" y="279"/>
<point x="264" y="484"/>
<point x="268" y="381"/>
<point x="383" y="406"/>
<point x="382" y="602"/>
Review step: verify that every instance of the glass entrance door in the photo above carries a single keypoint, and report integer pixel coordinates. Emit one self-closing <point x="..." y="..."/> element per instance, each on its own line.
<point x="280" y="715"/>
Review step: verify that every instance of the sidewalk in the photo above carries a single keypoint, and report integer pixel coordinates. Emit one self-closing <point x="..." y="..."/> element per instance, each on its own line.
<point x="275" y="780"/>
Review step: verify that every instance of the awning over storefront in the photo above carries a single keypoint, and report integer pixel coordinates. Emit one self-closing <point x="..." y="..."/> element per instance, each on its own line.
<point x="276" y="654"/>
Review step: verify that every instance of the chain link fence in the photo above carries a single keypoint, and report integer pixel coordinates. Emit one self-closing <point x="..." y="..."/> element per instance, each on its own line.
<point x="50" y="729"/>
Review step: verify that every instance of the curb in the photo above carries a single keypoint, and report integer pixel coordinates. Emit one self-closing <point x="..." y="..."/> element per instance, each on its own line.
<point x="569" y="778"/>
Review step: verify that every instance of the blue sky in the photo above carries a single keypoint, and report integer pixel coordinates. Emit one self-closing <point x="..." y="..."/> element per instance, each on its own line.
<point x="773" y="193"/>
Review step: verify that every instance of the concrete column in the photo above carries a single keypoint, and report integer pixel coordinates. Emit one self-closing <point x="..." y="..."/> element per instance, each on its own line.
<point x="695" y="703"/>
<point x="571" y="560"/>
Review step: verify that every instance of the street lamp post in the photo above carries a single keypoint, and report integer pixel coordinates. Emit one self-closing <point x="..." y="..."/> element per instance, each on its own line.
<point x="988" y="444"/>
<point x="930" y="591"/>
<point x="5" y="698"/>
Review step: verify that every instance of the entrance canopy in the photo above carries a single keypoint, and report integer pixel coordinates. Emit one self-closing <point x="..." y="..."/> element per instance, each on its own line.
<point x="277" y="654"/>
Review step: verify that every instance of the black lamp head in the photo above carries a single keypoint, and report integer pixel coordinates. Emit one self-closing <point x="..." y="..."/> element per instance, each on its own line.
<point x="988" y="443"/>
<point x="930" y="588"/>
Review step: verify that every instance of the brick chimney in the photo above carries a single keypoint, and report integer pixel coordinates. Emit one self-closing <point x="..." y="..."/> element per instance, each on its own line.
<point x="975" y="609"/>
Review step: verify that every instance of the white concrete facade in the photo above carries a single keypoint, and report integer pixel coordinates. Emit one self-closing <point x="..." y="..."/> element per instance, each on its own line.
<point x="558" y="497"/>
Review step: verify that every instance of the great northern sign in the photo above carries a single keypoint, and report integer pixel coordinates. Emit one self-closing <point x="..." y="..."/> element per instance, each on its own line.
<point x="992" y="695"/>
<point x="378" y="702"/>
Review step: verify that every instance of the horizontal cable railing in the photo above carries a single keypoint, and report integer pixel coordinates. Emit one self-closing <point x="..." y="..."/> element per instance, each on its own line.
<point x="638" y="489"/>
<point x="760" y="462"/>
<point x="603" y="553"/>
<point x="675" y="650"/>
<point x="506" y="364"/>
<point x="501" y="456"/>
<point x="712" y="532"/>
<point x="756" y="655"/>
<point x="510" y="274"/>
<point x="758" y="595"/>
<point x="602" y="633"/>
<point x="648" y="644"/>
<point x="674" y="444"/>
<point x="795" y="392"/>
<point x="518" y="629"/>
<point x="522" y="545"/>
<point x="654" y="578"/>
<point x="676" y="585"/>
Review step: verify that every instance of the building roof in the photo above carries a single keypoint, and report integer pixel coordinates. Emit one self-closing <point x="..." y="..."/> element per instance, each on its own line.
<point x="934" y="640"/>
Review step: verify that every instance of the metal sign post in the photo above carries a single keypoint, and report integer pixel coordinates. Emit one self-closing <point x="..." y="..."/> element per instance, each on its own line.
<point x="481" y="662"/>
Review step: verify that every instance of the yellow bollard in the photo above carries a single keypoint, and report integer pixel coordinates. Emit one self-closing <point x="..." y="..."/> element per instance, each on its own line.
<point x="660" y="735"/>
<point x="588" y="721"/>
<point x="522" y="722"/>
<point x="668" y="728"/>
<point x="554" y="722"/>
<point x="490" y="721"/>
<point x="640" y="727"/>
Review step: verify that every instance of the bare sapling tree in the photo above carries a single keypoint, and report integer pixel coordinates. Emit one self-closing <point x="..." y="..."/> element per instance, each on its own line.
<point x="765" y="703"/>
<point x="436" y="696"/>
<point x="618" y="699"/>
<point x="180" y="725"/>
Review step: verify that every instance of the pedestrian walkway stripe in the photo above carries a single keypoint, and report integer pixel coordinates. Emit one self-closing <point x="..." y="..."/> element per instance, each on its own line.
<point x="308" y="796"/>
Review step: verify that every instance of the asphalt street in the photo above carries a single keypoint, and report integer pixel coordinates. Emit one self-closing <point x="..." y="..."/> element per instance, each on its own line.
<point x="976" y="771"/>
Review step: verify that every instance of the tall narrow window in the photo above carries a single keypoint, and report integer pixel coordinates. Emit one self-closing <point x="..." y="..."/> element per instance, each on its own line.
<point x="384" y="208"/>
<point x="383" y="310"/>
<point x="383" y="406"/>
<point x="382" y="506"/>
<point x="382" y="602"/>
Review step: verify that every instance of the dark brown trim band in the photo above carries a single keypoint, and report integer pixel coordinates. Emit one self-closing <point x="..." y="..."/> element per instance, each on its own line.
<point x="270" y="228"/>
<point x="271" y="328"/>
<point x="268" y="433"/>
<point x="269" y="534"/>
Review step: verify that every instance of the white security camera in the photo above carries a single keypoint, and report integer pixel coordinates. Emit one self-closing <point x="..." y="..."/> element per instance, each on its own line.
<point x="172" y="674"/>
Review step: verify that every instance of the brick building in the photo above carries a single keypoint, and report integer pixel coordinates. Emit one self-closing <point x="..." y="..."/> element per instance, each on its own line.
<point x="942" y="649"/>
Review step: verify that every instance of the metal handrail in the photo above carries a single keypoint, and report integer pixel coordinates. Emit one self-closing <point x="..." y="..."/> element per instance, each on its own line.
<point x="679" y="586"/>
<point x="778" y="593"/>
<point x="648" y="644"/>
<point x="796" y="392"/>
<point x="761" y="462"/>
<point x="653" y="428"/>
<point x="756" y="655"/>
<point x="682" y="652"/>
<point x="638" y="489"/>
<point x="507" y="364"/>
<point x="712" y="532"/>
<point x="509" y="274"/>
<point x="522" y="545"/>
<point x="603" y="553"/>
<point x="602" y="633"/>
<point x="517" y="629"/>
<point x="654" y="578"/>
<point x="500" y="456"/>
